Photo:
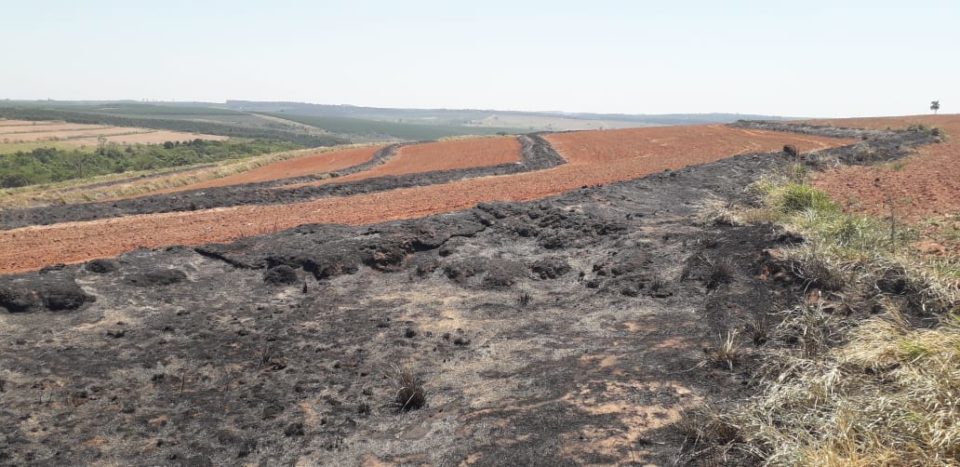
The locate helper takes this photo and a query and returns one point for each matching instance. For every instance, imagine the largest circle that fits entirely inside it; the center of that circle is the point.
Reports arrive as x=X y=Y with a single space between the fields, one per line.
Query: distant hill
x=323 y=125
x=478 y=117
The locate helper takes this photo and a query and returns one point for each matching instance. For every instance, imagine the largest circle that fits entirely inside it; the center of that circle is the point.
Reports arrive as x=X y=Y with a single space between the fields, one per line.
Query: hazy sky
x=798 y=58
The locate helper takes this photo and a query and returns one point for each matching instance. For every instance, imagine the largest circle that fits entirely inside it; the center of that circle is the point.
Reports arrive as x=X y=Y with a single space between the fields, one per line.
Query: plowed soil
x=310 y=164
x=653 y=149
x=594 y=158
x=920 y=186
x=443 y=155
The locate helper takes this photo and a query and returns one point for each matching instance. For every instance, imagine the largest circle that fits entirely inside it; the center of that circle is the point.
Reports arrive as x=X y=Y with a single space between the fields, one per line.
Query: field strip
x=593 y=158
x=6 y=123
x=75 y=134
x=438 y=156
x=16 y=130
x=318 y=163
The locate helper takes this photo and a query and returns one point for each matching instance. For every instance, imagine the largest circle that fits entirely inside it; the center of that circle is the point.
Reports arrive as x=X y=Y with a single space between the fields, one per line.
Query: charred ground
x=570 y=330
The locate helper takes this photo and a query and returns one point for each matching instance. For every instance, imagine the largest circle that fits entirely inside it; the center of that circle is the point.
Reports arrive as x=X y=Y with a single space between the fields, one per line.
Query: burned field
x=574 y=329
x=228 y=213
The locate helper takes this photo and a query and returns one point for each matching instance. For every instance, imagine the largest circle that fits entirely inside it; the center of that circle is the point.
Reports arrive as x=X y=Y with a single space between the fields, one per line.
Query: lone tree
x=935 y=106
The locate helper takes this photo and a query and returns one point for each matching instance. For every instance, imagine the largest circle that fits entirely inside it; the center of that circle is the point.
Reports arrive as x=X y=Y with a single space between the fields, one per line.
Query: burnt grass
x=536 y=154
x=567 y=331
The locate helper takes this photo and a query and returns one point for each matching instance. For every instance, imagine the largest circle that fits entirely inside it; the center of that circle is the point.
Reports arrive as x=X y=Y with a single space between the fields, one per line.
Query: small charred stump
x=410 y=393
x=791 y=151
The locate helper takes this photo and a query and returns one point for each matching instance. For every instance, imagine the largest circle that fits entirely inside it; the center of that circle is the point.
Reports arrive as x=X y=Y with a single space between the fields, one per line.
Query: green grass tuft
x=794 y=198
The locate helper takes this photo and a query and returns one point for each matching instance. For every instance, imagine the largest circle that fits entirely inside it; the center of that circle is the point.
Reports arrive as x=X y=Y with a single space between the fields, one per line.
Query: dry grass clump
x=891 y=396
x=888 y=395
x=721 y=271
x=717 y=213
x=727 y=352
x=410 y=393
x=819 y=270
x=849 y=246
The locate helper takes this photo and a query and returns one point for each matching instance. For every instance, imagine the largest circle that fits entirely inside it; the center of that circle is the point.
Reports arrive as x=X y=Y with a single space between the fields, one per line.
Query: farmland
x=397 y=130
x=181 y=118
x=20 y=135
x=50 y=165
x=439 y=156
x=314 y=125
x=591 y=159
x=923 y=185
x=318 y=163
x=579 y=297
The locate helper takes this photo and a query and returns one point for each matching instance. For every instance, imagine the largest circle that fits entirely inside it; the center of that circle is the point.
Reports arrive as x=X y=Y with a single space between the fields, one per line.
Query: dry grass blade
x=728 y=351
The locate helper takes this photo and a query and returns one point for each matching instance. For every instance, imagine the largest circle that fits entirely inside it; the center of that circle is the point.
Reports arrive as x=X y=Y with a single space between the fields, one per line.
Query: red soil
x=630 y=153
x=594 y=158
x=443 y=155
x=923 y=185
x=310 y=164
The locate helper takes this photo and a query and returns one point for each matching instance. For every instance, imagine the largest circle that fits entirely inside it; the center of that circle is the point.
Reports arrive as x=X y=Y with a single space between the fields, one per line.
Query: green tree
x=101 y=144
x=935 y=106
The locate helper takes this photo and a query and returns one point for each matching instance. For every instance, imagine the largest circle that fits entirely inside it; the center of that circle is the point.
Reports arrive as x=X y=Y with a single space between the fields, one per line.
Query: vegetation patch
x=51 y=164
x=867 y=370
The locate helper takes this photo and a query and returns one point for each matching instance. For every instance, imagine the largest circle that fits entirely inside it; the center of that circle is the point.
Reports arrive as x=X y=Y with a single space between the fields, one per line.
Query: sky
x=810 y=58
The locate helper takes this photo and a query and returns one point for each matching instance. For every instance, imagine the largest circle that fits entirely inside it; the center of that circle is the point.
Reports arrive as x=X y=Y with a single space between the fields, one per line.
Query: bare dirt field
x=593 y=158
x=452 y=154
x=443 y=155
x=920 y=186
x=18 y=131
x=653 y=149
x=308 y=164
